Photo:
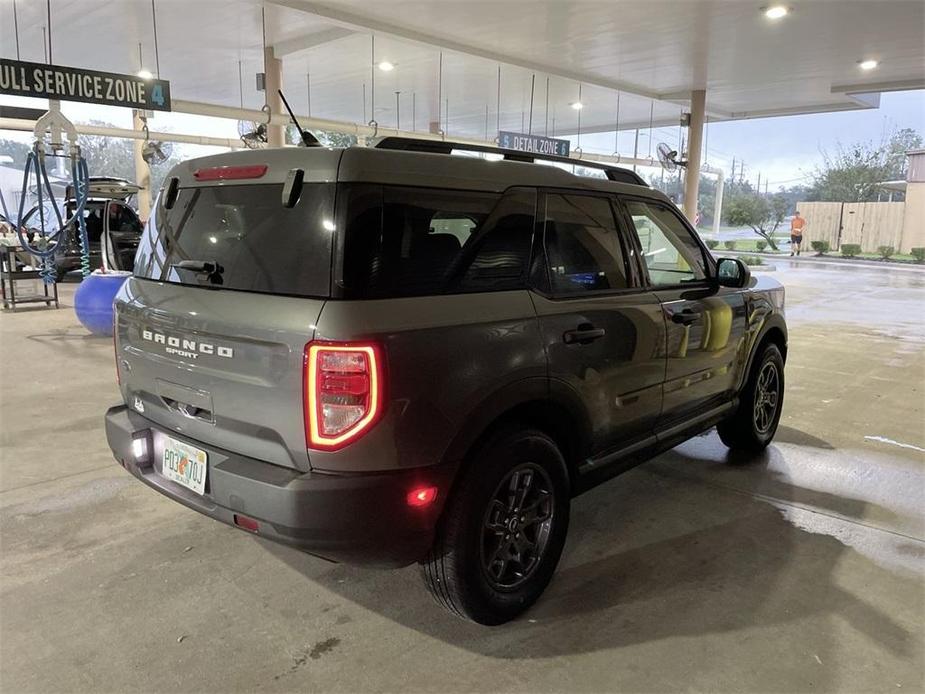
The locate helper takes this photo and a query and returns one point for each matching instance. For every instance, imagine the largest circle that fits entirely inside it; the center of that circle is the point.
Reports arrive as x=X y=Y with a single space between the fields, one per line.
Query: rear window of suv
x=403 y=241
x=244 y=231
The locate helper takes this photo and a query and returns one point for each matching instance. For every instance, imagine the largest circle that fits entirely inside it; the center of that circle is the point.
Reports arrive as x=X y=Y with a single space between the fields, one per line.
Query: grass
x=876 y=256
x=751 y=245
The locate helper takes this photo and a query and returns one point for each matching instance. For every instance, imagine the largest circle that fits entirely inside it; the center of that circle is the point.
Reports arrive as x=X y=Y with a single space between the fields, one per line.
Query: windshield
x=242 y=238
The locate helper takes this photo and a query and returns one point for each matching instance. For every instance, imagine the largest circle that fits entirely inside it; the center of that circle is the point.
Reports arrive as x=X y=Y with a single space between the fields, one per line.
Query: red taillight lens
x=422 y=496
x=343 y=392
x=228 y=173
x=246 y=523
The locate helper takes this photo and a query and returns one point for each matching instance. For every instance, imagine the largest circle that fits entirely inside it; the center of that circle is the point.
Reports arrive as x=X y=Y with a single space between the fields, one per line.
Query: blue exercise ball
x=93 y=300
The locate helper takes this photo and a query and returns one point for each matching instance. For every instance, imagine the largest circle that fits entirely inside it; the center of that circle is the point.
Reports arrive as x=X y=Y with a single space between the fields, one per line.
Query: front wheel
x=503 y=530
x=754 y=423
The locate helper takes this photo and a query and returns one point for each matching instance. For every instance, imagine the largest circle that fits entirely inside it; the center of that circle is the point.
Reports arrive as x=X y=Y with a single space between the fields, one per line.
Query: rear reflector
x=246 y=523
x=422 y=496
x=226 y=173
x=343 y=392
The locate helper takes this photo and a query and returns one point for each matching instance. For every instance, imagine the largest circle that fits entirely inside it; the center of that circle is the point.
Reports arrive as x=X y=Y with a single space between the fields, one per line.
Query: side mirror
x=732 y=272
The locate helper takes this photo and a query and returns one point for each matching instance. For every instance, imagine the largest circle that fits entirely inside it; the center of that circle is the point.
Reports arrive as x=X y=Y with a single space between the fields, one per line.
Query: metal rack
x=9 y=276
x=410 y=144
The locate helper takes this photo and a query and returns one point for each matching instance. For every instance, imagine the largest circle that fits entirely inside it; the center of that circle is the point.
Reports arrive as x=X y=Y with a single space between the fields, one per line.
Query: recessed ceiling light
x=776 y=11
x=386 y=66
x=577 y=105
x=869 y=64
x=145 y=74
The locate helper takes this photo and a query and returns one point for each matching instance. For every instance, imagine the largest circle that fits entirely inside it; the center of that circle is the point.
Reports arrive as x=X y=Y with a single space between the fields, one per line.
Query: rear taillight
x=343 y=392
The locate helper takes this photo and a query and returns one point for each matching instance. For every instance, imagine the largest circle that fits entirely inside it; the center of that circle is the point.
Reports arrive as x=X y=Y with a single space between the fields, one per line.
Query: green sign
x=20 y=78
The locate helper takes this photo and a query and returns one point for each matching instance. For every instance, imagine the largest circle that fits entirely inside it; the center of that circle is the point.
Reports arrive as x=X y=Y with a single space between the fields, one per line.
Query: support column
x=142 y=170
x=694 y=146
x=276 y=134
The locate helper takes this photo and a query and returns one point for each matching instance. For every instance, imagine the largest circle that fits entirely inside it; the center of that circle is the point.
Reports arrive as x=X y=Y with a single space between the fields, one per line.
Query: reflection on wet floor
x=878 y=298
x=872 y=502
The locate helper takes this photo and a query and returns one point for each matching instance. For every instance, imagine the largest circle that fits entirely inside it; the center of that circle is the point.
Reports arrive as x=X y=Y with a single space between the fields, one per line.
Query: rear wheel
x=503 y=530
x=755 y=421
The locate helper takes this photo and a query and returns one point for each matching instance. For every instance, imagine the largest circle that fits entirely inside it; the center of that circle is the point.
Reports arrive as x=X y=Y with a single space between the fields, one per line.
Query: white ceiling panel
x=749 y=66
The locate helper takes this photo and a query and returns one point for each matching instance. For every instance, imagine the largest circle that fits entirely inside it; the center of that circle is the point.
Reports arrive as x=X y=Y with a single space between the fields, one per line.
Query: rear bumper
x=357 y=518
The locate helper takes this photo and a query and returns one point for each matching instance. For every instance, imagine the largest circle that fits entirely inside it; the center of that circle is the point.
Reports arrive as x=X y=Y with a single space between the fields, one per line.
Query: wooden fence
x=870 y=224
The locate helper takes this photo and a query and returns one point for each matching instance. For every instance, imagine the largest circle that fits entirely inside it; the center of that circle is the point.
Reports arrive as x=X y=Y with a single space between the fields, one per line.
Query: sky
x=783 y=150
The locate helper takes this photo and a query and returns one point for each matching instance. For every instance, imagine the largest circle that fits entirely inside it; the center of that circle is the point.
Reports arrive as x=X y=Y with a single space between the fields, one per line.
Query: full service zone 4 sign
x=20 y=78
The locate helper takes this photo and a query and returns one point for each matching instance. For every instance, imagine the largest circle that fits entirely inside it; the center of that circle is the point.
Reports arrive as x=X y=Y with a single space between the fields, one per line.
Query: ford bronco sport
x=390 y=355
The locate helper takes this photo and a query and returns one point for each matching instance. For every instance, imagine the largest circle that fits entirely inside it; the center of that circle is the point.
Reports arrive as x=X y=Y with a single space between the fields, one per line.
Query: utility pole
x=732 y=178
x=636 y=148
x=758 y=187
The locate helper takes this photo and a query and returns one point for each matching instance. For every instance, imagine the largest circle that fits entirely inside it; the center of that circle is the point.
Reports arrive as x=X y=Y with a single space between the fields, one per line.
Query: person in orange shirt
x=797 y=224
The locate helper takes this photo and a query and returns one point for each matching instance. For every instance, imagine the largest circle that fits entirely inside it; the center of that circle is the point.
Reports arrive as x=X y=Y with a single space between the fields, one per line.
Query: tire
x=754 y=423
x=488 y=564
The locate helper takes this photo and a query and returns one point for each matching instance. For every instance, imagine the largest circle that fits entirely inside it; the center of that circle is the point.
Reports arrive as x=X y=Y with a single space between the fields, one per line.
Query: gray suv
x=391 y=355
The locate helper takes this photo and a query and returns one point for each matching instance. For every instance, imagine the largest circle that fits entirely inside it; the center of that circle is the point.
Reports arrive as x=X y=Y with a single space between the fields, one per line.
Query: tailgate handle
x=187 y=410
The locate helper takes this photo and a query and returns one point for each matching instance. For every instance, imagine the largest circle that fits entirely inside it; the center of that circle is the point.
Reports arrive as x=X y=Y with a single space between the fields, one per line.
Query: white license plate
x=184 y=464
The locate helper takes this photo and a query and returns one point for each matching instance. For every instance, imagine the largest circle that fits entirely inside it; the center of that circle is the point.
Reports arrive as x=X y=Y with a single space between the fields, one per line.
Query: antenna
x=308 y=139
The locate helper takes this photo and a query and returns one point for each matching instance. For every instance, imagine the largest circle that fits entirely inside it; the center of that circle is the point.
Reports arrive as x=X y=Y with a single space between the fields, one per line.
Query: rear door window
x=583 y=248
x=254 y=242
x=402 y=241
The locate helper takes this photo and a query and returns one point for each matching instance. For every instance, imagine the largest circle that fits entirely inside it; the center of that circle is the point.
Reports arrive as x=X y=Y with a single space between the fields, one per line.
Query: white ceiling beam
x=880 y=87
x=350 y=20
x=308 y=41
x=851 y=105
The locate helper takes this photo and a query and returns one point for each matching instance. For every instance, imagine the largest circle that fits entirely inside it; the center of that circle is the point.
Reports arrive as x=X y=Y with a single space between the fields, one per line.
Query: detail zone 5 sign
x=20 y=78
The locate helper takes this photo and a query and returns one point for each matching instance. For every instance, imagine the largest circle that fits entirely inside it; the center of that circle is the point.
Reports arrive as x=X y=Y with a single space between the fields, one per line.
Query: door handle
x=686 y=316
x=584 y=334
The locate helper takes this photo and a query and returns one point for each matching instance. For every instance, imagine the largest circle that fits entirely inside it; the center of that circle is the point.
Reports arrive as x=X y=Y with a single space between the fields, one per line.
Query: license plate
x=184 y=464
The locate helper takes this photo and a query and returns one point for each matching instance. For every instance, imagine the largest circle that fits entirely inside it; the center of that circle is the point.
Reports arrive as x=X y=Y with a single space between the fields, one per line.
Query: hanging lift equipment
x=48 y=145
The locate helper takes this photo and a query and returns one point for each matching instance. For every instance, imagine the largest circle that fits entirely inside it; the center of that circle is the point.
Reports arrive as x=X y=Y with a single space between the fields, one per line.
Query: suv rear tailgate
x=221 y=367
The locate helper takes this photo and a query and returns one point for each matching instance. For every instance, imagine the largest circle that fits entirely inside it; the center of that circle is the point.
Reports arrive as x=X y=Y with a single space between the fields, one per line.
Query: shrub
x=849 y=250
x=918 y=254
x=730 y=245
x=712 y=244
x=885 y=251
x=821 y=247
x=752 y=260
x=761 y=245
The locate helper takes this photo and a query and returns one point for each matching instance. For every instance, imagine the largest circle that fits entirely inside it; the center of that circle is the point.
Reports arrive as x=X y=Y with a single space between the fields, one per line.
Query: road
x=801 y=570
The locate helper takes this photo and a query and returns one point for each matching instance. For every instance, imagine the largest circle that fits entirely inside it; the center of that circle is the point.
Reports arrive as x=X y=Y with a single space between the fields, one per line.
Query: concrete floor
x=800 y=571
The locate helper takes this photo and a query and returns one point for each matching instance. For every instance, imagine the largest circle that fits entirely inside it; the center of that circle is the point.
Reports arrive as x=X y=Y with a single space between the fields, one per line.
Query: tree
x=328 y=138
x=333 y=139
x=764 y=215
x=17 y=151
x=671 y=184
x=853 y=173
x=115 y=156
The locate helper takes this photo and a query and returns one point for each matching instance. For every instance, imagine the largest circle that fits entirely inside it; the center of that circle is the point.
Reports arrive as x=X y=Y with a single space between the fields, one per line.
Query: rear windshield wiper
x=212 y=270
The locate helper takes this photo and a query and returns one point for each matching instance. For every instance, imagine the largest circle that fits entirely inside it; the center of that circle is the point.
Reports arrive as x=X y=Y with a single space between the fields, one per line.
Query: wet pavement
x=799 y=570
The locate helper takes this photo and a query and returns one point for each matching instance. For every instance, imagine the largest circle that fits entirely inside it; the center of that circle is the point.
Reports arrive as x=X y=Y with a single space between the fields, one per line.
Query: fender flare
x=774 y=321
x=539 y=391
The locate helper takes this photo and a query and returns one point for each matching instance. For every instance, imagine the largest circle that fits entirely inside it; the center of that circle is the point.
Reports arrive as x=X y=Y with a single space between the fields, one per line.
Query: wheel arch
x=775 y=331
x=552 y=410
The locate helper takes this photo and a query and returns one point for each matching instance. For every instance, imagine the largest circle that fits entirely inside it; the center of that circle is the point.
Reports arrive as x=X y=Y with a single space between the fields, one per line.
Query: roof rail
x=411 y=144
